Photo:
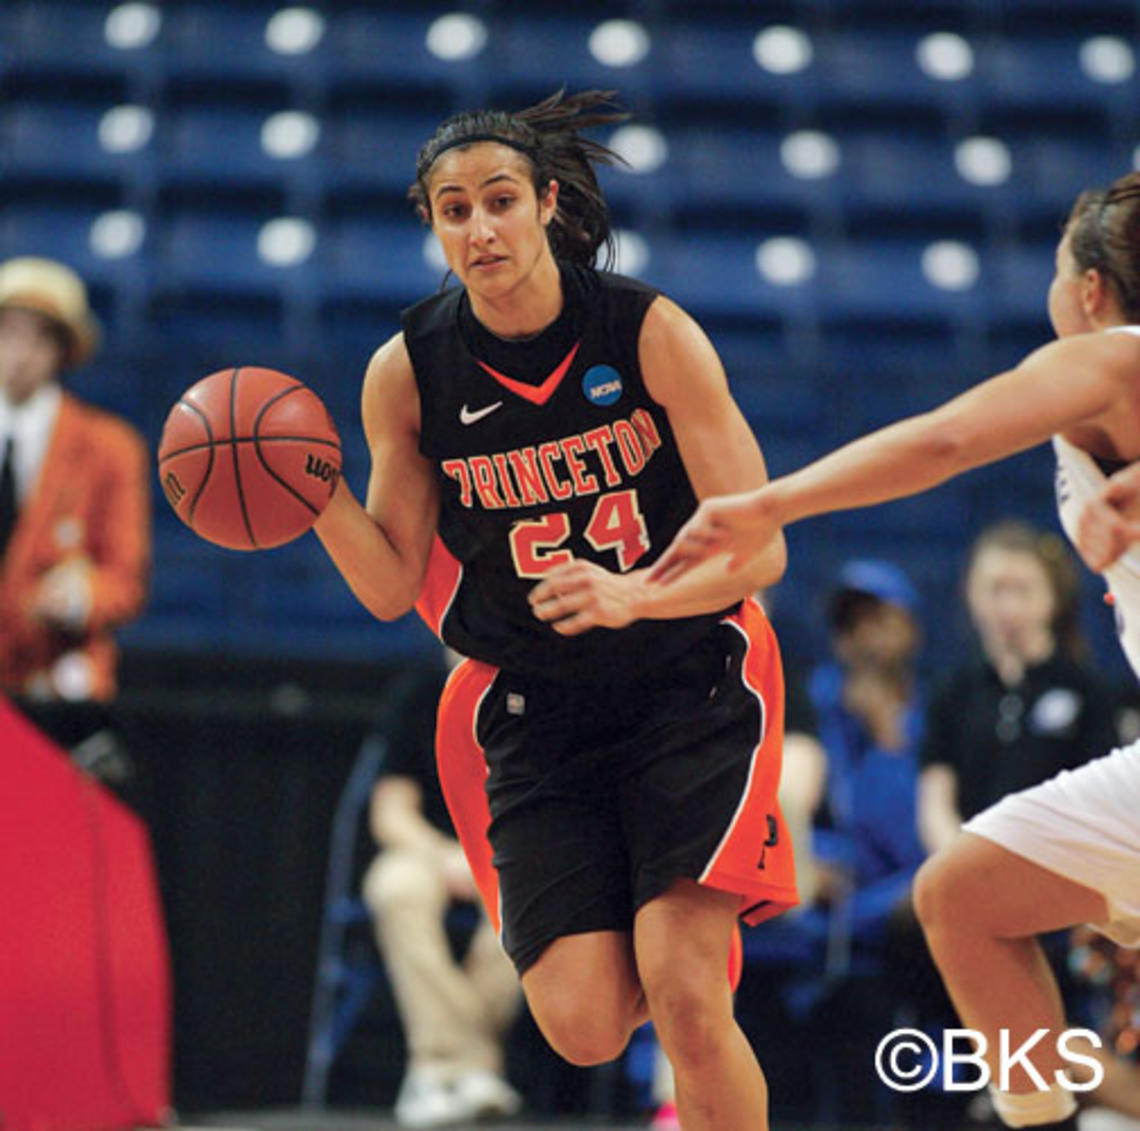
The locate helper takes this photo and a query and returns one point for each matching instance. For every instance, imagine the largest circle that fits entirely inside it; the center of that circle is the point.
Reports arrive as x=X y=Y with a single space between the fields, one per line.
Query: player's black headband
x=471 y=139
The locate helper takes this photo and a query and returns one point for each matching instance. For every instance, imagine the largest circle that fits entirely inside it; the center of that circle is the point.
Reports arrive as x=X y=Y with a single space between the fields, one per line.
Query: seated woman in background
x=1030 y=705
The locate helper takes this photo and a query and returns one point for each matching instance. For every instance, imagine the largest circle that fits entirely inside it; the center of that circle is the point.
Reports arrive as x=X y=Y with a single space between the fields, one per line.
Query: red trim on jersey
x=536 y=394
x=441 y=583
x=463 y=774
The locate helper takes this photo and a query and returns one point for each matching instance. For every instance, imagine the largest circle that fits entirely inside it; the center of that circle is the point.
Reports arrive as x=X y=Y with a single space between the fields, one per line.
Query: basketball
x=249 y=458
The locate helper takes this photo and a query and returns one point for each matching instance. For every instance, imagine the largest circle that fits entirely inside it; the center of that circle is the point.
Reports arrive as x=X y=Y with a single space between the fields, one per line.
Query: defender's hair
x=549 y=136
x=1104 y=235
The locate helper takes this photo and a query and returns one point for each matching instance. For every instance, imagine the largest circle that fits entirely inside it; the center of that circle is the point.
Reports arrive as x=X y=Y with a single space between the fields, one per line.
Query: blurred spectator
x=1029 y=706
x=74 y=508
x=870 y=721
x=858 y=775
x=455 y=1012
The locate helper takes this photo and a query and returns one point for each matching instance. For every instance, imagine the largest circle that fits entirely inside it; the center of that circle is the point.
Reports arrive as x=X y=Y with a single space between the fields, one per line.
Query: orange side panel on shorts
x=440 y=584
x=463 y=773
x=755 y=857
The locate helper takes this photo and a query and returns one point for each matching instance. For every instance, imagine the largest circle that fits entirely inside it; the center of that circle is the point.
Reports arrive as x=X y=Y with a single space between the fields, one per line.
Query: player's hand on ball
x=739 y=525
x=580 y=595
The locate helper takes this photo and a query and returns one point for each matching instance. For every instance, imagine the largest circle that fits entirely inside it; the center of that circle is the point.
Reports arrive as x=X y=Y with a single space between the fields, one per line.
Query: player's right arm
x=382 y=548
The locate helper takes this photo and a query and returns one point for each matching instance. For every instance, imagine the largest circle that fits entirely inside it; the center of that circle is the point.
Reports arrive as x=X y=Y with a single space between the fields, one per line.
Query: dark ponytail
x=1104 y=235
x=549 y=135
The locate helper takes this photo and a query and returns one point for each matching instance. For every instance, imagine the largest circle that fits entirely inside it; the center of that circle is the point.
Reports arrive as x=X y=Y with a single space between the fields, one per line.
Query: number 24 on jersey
x=616 y=524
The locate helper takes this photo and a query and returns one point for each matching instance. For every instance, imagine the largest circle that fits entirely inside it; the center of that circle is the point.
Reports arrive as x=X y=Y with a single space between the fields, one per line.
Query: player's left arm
x=683 y=373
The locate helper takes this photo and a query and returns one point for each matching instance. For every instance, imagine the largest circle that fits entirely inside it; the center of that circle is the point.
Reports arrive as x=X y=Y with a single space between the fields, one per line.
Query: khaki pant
x=454 y=1014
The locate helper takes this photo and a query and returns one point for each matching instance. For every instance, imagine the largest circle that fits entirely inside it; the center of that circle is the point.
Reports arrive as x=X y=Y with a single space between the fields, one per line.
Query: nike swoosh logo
x=469 y=416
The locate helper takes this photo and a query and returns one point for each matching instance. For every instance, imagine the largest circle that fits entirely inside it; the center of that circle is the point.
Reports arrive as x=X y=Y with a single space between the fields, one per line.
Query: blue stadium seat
x=774 y=390
x=1022 y=275
x=376 y=261
x=900 y=175
x=378 y=48
x=715 y=275
x=57 y=40
x=224 y=46
x=883 y=282
x=1088 y=14
x=53 y=142
x=713 y=63
x=62 y=232
x=1043 y=72
x=374 y=149
x=535 y=55
x=729 y=167
x=193 y=158
x=217 y=253
x=861 y=73
x=1053 y=167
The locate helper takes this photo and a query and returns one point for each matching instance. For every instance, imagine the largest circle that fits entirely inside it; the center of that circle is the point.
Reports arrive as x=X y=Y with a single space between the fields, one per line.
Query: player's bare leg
x=682 y=942
x=584 y=995
x=981 y=907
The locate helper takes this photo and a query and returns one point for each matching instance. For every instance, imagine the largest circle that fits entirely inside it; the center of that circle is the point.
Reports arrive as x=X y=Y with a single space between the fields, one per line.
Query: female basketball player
x=538 y=433
x=1067 y=851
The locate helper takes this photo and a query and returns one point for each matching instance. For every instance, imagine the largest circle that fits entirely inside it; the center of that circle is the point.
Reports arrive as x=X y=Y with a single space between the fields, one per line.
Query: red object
x=735 y=959
x=249 y=458
x=84 y=969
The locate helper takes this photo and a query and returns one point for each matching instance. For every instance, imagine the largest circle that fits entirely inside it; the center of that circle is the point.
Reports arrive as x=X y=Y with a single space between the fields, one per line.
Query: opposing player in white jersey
x=1067 y=851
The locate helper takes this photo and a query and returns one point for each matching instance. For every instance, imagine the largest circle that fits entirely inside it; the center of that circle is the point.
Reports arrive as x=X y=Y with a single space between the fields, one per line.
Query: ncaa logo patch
x=602 y=384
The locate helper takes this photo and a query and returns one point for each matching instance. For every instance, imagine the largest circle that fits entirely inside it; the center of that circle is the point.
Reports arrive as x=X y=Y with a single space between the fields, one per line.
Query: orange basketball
x=249 y=458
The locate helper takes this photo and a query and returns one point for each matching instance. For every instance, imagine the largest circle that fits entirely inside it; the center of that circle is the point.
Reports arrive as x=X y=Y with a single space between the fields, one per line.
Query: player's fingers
x=550 y=609
x=737 y=559
x=667 y=566
x=557 y=588
x=1118 y=491
x=576 y=623
x=668 y=570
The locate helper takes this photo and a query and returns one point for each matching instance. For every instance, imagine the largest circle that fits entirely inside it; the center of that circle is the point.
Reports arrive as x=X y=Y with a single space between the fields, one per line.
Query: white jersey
x=1079 y=478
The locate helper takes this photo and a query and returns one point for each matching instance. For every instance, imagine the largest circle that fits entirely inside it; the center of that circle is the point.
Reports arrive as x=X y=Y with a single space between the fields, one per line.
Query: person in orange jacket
x=75 y=537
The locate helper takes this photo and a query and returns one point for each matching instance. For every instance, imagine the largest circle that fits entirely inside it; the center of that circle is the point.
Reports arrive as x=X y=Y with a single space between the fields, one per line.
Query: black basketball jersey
x=546 y=449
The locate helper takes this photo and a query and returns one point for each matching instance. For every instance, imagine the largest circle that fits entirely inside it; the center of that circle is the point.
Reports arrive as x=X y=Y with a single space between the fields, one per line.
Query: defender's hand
x=741 y=525
x=1110 y=521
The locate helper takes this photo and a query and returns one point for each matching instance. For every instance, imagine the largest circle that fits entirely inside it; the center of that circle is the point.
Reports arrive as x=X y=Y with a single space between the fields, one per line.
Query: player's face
x=1010 y=598
x=1066 y=311
x=490 y=223
x=31 y=353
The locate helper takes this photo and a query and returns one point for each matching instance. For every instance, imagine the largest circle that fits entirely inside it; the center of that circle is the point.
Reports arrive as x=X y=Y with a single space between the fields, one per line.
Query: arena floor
x=374 y=1120
x=295 y=1120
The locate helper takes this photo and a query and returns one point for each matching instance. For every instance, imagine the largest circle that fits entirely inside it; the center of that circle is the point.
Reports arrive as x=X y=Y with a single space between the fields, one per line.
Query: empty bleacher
x=859 y=201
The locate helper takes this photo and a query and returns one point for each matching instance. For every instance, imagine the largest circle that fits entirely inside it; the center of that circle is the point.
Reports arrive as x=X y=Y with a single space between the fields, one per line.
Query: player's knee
x=691 y=1013
x=937 y=899
x=580 y=1032
x=396 y=879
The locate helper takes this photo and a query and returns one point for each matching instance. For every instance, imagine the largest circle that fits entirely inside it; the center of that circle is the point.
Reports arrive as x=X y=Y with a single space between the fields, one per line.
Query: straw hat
x=58 y=292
